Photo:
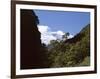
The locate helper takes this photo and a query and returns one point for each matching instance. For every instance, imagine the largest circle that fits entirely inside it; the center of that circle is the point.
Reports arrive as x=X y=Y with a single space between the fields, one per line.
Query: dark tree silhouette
x=30 y=41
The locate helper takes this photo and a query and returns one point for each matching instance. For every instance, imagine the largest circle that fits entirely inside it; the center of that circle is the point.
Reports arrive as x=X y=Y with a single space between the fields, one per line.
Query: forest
x=73 y=52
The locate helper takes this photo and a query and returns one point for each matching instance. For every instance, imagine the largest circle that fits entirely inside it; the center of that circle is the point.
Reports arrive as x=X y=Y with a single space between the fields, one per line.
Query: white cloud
x=47 y=34
x=43 y=29
x=70 y=36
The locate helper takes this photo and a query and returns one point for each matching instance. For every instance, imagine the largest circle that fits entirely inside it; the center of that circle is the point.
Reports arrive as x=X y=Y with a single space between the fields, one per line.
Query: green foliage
x=65 y=36
x=66 y=54
x=85 y=62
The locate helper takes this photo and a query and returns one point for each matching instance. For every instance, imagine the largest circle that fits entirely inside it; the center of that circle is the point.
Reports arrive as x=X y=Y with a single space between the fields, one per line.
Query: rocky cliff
x=30 y=40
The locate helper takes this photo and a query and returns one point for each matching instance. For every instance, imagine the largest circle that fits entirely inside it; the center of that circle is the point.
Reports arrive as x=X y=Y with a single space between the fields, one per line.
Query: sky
x=54 y=24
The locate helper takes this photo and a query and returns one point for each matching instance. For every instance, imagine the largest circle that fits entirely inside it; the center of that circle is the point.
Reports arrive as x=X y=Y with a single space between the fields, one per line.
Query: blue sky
x=71 y=22
x=53 y=24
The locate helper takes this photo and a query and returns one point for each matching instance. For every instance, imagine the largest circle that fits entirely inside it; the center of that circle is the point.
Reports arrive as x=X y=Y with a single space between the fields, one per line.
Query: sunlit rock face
x=30 y=40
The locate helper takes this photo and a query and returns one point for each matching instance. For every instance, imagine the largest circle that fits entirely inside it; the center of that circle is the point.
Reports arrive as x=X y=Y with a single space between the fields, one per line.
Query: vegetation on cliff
x=70 y=52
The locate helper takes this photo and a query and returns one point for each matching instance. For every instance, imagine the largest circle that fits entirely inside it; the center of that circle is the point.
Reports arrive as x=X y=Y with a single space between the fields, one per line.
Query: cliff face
x=30 y=40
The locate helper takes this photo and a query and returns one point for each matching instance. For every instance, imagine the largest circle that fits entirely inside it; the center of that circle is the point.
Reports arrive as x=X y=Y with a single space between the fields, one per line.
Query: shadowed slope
x=30 y=40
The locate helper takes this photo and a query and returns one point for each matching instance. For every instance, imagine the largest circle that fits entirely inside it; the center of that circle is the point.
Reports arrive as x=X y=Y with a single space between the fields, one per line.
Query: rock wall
x=30 y=40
